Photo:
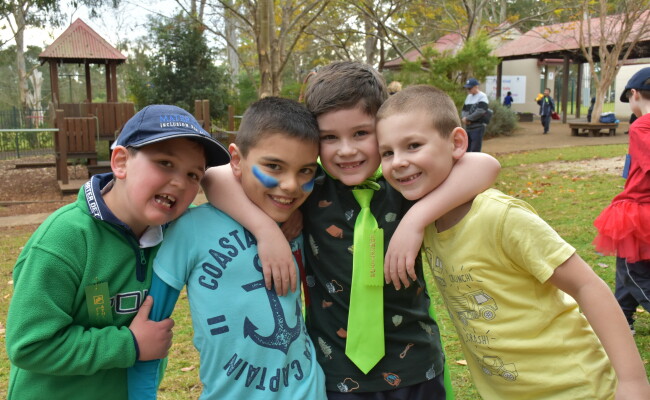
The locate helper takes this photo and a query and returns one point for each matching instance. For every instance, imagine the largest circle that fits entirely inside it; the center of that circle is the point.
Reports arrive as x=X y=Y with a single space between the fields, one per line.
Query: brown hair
x=345 y=84
x=272 y=115
x=425 y=99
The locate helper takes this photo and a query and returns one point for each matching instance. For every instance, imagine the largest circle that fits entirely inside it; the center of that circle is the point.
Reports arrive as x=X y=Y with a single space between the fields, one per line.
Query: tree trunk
x=19 y=16
x=370 y=42
x=231 y=47
x=264 y=47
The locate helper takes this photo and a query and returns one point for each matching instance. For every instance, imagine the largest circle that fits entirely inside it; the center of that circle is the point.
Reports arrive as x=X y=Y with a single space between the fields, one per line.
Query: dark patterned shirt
x=413 y=349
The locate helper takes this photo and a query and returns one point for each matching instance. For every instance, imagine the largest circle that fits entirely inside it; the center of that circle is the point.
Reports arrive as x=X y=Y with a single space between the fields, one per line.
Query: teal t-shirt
x=253 y=344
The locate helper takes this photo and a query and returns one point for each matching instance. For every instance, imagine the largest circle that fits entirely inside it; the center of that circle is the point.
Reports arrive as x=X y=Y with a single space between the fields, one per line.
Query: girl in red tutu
x=624 y=226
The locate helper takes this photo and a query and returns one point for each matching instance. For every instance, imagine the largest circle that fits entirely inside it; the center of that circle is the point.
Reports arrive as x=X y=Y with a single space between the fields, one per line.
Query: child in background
x=623 y=225
x=504 y=274
x=77 y=319
x=507 y=101
x=252 y=343
x=345 y=97
x=546 y=108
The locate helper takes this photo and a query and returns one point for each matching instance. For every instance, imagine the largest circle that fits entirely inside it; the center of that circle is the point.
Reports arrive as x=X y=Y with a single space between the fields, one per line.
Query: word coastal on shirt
x=251 y=341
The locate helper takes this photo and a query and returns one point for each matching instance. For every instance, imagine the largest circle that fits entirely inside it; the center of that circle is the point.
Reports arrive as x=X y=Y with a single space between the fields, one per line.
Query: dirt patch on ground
x=33 y=190
x=612 y=166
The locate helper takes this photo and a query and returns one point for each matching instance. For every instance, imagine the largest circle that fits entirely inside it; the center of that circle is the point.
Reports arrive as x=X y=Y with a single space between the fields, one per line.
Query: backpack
x=607 y=118
x=488 y=116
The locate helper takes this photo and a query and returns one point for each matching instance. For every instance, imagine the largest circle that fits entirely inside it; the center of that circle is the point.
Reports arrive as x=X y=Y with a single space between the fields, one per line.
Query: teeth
x=350 y=165
x=409 y=178
x=282 y=200
x=165 y=200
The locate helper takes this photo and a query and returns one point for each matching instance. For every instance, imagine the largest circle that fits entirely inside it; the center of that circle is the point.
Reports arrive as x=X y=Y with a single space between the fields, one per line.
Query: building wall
x=622 y=110
x=531 y=72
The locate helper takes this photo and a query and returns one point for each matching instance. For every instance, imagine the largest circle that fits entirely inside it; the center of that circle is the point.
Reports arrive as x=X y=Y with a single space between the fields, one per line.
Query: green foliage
x=448 y=71
x=503 y=122
x=180 y=69
x=9 y=75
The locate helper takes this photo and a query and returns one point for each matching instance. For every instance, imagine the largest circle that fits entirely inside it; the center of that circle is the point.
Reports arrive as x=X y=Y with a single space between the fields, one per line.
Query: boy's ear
x=119 y=157
x=459 y=142
x=235 y=159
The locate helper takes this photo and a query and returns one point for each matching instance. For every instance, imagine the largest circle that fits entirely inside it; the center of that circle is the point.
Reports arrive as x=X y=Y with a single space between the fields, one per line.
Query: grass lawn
x=567 y=201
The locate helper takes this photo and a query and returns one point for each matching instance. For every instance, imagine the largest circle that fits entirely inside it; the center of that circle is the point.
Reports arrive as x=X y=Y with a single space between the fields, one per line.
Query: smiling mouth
x=350 y=165
x=285 y=201
x=165 y=200
x=409 y=178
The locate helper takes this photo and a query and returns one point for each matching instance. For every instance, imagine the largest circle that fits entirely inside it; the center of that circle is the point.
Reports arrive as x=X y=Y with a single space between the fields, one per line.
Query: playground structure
x=80 y=126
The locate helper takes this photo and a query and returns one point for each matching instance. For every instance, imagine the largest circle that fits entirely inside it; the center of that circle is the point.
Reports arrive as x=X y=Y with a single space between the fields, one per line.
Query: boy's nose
x=347 y=148
x=399 y=161
x=289 y=184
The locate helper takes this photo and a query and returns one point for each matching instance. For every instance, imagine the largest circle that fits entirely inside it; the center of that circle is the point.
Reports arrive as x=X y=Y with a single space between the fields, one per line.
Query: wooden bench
x=75 y=139
x=593 y=128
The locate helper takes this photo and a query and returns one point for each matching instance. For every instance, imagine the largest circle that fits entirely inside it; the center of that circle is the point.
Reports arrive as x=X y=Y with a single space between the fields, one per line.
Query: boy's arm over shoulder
x=224 y=192
x=471 y=175
x=601 y=309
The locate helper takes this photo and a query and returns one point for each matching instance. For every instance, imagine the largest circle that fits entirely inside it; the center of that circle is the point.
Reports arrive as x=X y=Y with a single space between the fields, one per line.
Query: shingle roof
x=564 y=37
x=450 y=42
x=80 y=42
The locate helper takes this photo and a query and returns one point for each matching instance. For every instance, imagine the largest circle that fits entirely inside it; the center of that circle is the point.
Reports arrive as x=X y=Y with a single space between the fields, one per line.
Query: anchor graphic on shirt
x=283 y=335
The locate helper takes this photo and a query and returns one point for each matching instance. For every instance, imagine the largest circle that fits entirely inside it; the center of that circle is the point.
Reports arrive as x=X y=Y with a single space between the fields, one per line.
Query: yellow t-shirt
x=522 y=337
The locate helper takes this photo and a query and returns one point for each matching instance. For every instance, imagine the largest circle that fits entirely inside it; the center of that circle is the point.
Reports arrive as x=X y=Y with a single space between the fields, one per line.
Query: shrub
x=503 y=122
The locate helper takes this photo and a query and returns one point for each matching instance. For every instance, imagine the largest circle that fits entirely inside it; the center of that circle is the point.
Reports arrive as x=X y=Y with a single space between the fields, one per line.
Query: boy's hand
x=399 y=263
x=154 y=338
x=277 y=264
x=292 y=226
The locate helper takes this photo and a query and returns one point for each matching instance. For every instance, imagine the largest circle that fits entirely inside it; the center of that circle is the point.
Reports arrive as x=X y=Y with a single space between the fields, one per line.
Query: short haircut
x=272 y=115
x=424 y=99
x=549 y=90
x=343 y=85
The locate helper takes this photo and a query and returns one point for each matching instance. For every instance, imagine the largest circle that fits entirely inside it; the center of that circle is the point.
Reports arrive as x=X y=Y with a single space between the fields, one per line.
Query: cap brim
x=623 y=97
x=215 y=153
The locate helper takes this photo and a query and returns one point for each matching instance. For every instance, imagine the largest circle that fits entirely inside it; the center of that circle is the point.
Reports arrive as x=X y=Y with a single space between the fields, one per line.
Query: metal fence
x=17 y=143
x=16 y=118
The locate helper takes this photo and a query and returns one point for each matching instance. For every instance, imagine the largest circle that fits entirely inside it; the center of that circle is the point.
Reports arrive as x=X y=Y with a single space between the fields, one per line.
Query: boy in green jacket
x=79 y=313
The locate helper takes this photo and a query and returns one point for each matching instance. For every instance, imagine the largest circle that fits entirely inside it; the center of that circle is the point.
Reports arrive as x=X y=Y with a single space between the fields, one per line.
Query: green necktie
x=365 y=336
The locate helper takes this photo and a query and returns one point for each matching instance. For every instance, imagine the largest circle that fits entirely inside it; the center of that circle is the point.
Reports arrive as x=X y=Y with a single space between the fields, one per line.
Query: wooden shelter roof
x=80 y=43
x=449 y=42
x=557 y=40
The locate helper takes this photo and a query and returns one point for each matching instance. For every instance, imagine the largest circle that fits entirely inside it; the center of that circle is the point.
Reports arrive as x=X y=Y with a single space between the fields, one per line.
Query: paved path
x=528 y=137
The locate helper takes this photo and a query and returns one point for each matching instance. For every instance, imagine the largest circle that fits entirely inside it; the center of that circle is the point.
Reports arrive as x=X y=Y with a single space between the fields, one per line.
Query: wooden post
x=579 y=91
x=109 y=86
x=499 y=78
x=89 y=90
x=54 y=82
x=113 y=68
x=565 y=87
x=207 y=123
x=61 y=148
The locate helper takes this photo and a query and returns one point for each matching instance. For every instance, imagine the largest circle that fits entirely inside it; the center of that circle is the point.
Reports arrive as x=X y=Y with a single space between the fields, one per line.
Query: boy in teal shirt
x=78 y=315
x=253 y=344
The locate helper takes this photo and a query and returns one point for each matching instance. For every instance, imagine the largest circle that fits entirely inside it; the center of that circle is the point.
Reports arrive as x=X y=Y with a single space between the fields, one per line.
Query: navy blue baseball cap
x=638 y=81
x=471 y=82
x=158 y=122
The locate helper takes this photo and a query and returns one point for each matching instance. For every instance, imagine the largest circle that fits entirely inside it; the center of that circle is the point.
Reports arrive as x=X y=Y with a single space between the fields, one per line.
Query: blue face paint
x=268 y=181
x=309 y=186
